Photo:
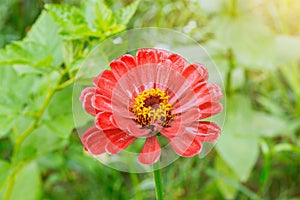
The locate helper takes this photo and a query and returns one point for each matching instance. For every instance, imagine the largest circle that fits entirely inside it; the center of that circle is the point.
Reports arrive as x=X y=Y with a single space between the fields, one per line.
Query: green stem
x=158 y=182
x=231 y=65
x=266 y=166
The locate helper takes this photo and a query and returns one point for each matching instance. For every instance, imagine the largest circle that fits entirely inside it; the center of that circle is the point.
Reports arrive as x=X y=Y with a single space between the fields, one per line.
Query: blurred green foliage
x=255 y=45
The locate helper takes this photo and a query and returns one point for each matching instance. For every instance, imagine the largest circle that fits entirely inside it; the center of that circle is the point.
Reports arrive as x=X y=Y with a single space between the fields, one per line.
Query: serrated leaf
x=125 y=14
x=27 y=185
x=45 y=31
x=15 y=97
x=27 y=53
x=92 y=19
x=71 y=20
x=41 y=48
x=104 y=16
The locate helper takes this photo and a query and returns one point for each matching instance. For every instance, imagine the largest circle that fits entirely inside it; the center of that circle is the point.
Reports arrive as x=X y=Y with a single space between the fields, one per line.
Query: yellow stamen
x=152 y=107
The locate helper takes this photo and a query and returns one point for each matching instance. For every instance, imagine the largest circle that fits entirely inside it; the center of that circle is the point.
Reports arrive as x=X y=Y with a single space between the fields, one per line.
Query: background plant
x=255 y=45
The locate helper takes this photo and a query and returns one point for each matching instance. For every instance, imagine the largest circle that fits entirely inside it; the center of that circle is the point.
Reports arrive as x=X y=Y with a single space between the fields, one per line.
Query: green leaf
x=61 y=103
x=268 y=125
x=252 y=42
x=105 y=20
x=6 y=123
x=71 y=21
x=42 y=48
x=15 y=97
x=27 y=185
x=4 y=170
x=92 y=19
x=40 y=142
x=125 y=14
x=104 y=16
x=61 y=125
x=60 y=119
x=45 y=32
x=239 y=152
x=238 y=145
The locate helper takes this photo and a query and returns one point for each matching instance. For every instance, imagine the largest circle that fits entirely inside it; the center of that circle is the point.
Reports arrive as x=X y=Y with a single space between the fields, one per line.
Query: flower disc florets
x=152 y=107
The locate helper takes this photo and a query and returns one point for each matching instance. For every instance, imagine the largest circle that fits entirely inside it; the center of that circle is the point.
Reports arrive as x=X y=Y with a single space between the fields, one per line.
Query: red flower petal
x=207 y=92
x=161 y=54
x=195 y=73
x=85 y=92
x=94 y=141
x=119 y=140
x=86 y=99
x=101 y=103
x=146 y=56
x=208 y=131
x=150 y=56
x=105 y=83
x=112 y=149
x=172 y=130
x=178 y=62
x=186 y=144
x=129 y=61
x=135 y=130
x=118 y=68
x=210 y=108
x=151 y=151
x=104 y=121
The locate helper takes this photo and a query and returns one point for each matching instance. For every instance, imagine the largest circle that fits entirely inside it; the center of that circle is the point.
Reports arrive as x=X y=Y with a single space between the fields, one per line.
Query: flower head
x=153 y=94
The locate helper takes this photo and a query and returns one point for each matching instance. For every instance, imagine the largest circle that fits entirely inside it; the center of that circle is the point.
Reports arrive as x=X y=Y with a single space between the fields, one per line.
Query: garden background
x=254 y=43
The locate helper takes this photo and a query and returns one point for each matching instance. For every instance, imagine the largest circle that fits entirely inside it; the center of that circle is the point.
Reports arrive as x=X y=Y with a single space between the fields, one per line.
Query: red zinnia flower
x=152 y=94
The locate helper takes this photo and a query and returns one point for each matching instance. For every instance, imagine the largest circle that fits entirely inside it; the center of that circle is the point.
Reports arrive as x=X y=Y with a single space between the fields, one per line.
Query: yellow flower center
x=152 y=107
